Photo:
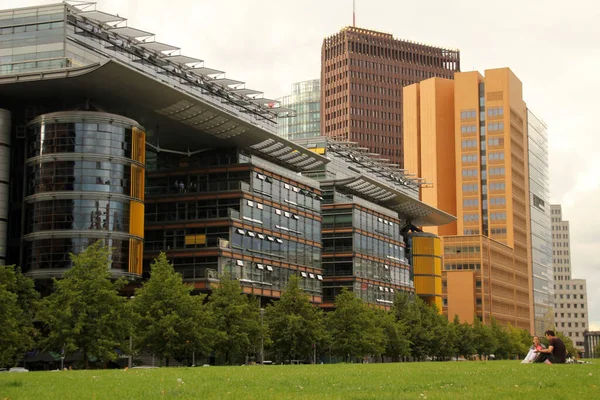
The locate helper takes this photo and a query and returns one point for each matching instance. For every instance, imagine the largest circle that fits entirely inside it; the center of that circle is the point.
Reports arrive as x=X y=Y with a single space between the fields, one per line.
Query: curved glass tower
x=84 y=183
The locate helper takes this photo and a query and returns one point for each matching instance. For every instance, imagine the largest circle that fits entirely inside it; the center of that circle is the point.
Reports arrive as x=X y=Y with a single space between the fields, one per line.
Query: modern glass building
x=117 y=137
x=84 y=182
x=541 y=239
x=305 y=101
x=370 y=243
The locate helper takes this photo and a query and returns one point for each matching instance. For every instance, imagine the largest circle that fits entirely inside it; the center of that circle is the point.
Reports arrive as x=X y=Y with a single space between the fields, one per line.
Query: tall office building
x=477 y=161
x=541 y=239
x=570 y=295
x=362 y=75
x=305 y=102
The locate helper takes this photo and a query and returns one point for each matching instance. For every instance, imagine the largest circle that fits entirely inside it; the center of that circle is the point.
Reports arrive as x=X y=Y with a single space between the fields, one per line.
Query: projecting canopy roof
x=408 y=208
x=175 y=119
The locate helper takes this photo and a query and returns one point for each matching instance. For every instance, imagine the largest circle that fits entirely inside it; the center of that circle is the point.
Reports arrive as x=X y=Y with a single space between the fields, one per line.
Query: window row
x=462 y=266
x=470 y=202
x=568 y=305
x=470 y=158
x=471 y=217
x=496 y=171
x=461 y=250
x=469 y=172
x=497 y=186
x=197 y=182
x=498 y=231
x=468 y=114
x=496 y=156
x=496 y=201
x=498 y=216
x=274 y=218
x=470 y=187
x=495 y=126
x=348 y=242
x=496 y=141
x=269 y=276
x=469 y=144
x=468 y=128
x=261 y=245
x=495 y=111
x=78 y=214
x=286 y=193
x=54 y=253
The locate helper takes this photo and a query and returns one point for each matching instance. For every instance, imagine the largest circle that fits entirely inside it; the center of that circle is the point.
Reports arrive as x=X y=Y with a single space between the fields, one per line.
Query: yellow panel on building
x=136 y=250
x=192 y=240
x=426 y=254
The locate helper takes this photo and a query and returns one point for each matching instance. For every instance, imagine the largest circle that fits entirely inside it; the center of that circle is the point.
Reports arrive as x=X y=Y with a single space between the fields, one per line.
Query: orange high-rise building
x=468 y=137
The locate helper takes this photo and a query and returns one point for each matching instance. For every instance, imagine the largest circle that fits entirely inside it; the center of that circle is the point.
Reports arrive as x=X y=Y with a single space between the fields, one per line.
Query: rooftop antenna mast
x=354 y=13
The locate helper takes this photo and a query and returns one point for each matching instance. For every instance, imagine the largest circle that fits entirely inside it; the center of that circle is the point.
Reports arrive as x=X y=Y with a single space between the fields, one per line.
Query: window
x=496 y=127
x=469 y=144
x=495 y=111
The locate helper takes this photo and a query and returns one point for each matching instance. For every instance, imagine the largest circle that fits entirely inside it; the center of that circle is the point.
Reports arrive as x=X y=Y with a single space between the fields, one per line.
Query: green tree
x=464 y=338
x=169 y=320
x=504 y=343
x=295 y=325
x=445 y=343
x=236 y=319
x=354 y=328
x=520 y=340
x=85 y=311
x=413 y=313
x=396 y=343
x=483 y=338
x=18 y=303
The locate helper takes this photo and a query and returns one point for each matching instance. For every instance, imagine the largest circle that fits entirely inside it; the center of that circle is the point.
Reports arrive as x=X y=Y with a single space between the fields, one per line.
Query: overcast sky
x=551 y=46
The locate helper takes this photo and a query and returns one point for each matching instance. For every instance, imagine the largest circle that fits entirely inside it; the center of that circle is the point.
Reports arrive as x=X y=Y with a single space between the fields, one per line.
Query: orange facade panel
x=461 y=295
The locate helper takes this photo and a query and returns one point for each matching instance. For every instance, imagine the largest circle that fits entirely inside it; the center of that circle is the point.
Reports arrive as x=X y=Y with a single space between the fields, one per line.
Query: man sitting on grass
x=556 y=353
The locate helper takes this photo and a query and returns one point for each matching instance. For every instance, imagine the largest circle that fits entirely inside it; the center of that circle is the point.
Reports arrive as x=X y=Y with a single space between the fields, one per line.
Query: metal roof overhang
x=408 y=208
x=175 y=119
x=158 y=46
x=101 y=16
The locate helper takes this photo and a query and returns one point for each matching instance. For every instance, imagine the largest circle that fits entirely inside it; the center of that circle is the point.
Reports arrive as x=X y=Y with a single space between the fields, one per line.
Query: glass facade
x=541 y=230
x=32 y=39
x=305 y=100
x=85 y=178
x=223 y=212
x=363 y=251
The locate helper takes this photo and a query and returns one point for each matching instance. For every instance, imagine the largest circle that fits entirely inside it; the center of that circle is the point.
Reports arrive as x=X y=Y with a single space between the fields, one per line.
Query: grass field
x=464 y=380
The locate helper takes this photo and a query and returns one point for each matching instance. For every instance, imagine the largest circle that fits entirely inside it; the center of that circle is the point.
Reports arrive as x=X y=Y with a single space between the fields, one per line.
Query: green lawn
x=450 y=380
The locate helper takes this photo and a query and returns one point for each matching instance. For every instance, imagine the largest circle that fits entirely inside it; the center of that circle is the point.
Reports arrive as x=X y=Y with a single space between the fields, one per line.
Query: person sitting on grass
x=533 y=351
x=556 y=353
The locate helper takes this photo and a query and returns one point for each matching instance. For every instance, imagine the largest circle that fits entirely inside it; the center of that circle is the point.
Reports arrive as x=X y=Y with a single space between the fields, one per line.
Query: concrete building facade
x=481 y=176
x=362 y=75
x=570 y=295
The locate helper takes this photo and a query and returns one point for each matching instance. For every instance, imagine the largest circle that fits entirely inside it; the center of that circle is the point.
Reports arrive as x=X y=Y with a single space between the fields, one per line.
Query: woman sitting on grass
x=533 y=351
